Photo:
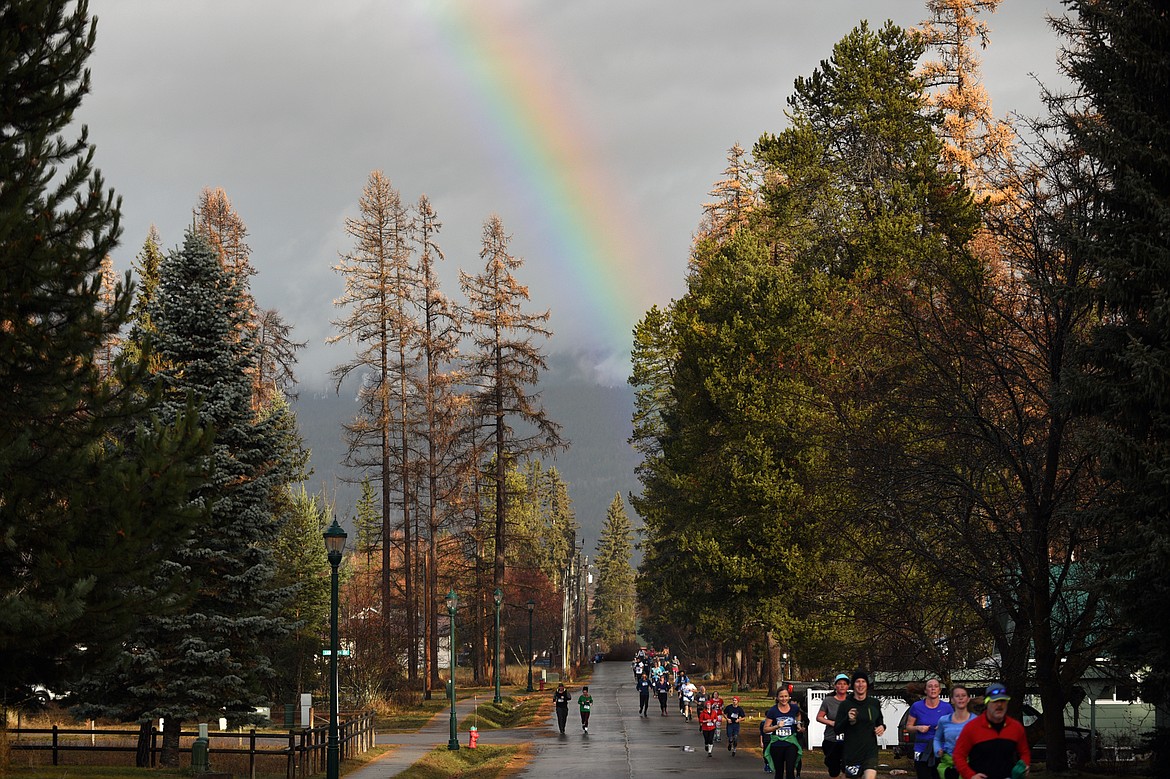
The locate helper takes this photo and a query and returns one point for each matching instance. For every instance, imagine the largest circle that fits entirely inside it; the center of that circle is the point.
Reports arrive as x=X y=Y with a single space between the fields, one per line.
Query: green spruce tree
x=1118 y=57
x=92 y=494
x=204 y=661
x=614 y=619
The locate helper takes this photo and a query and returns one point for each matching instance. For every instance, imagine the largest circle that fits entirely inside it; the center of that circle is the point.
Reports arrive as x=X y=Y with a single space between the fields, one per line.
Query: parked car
x=1077 y=741
x=905 y=745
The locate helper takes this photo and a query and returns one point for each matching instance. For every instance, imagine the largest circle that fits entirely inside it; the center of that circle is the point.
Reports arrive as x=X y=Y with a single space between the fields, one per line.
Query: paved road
x=620 y=744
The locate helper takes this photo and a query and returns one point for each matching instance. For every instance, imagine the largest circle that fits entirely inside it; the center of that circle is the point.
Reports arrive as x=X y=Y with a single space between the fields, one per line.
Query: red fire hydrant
x=474 y=737
x=542 y=684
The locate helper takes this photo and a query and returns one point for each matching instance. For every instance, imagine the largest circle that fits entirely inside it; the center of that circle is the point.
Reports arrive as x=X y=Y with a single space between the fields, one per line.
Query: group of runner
x=988 y=746
x=949 y=744
x=661 y=674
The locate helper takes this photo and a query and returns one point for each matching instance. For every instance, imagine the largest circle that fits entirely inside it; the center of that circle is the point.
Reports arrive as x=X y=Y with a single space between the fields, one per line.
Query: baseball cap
x=996 y=692
x=839 y=677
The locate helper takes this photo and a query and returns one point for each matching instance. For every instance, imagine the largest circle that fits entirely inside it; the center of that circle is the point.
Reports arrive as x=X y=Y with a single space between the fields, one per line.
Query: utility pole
x=567 y=591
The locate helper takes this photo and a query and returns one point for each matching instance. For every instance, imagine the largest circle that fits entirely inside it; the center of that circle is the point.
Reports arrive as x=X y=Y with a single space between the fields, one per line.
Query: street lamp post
x=452 y=602
x=499 y=597
x=531 y=605
x=334 y=546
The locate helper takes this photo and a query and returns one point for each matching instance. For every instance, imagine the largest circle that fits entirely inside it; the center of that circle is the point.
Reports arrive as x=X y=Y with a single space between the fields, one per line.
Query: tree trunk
x=142 y=752
x=170 y=750
x=774 y=672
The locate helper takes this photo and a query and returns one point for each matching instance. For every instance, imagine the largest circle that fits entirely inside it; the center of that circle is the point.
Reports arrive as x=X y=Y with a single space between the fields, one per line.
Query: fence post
x=291 y=766
x=252 y=754
x=54 y=744
x=304 y=756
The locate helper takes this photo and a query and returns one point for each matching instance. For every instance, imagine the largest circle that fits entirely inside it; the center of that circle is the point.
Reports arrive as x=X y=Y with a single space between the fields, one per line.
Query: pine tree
x=274 y=373
x=92 y=494
x=204 y=661
x=141 y=335
x=503 y=363
x=975 y=142
x=735 y=199
x=440 y=425
x=276 y=358
x=380 y=289
x=614 y=619
x=301 y=567
x=217 y=219
x=1118 y=57
x=108 y=296
x=367 y=521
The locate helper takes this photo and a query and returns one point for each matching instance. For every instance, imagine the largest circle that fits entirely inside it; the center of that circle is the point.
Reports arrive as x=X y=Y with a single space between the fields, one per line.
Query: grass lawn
x=486 y=762
x=524 y=709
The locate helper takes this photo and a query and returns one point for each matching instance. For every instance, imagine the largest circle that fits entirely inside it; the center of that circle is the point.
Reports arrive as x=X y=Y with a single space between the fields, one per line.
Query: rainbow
x=541 y=135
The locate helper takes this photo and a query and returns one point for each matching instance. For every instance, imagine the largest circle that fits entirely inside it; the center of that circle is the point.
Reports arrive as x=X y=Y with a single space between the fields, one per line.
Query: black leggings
x=833 y=757
x=784 y=754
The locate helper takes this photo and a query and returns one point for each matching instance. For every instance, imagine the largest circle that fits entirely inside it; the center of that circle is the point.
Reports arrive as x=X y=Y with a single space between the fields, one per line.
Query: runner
x=733 y=713
x=585 y=701
x=662 y=690
x=688 y=698
x=783 y=722
x=859 y=720
x=827 y=716
x=708 y=720
x=993 y=745
x=717 y=700
x=644 y=695
x=561 y=698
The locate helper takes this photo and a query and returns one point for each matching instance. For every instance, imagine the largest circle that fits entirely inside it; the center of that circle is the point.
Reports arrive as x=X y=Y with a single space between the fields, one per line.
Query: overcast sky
x=593 y=128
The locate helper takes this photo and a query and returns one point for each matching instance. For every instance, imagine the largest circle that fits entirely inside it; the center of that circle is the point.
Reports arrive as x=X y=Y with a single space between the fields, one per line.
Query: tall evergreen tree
x=92 y=493
x=1118 y=55
x=301 y=566
x=614 y=597
x=204 y=661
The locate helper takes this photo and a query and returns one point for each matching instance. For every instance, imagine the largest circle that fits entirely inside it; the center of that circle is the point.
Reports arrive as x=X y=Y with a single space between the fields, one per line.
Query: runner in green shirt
x=585 y=701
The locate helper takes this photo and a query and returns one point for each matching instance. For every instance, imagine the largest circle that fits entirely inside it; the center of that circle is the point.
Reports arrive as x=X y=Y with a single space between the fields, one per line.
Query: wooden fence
x=303 y=750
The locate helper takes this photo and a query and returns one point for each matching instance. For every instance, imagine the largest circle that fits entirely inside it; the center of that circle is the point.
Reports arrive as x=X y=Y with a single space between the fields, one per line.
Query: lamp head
x=498 y=595
x=452 y=601
x=335 y=542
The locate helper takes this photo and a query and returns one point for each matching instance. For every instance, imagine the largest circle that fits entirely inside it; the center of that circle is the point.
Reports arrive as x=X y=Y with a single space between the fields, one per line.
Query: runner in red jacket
x=708 y=721
x=993 y=744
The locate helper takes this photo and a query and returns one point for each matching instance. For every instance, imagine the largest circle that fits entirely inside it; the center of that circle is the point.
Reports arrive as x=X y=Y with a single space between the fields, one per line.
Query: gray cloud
x=289 y=106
